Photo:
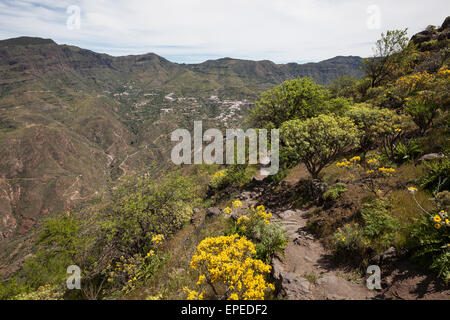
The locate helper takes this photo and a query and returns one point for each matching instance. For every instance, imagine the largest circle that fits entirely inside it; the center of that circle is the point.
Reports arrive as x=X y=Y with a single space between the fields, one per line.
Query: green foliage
x=431 y=246
x=373 y=124
x=422 y=112
x=380 y=228
x=46 y=292
x=148 y=208
x=348 y=239
x=58 y=244
x=436 y=177
x=411 y=151
x=388 y=54
x=237 y=175
x=269 y=237
x=11 y=288
x=318 y=141
x=334 y=192
x=377 y=232
x=300 y=98
x=343 y=86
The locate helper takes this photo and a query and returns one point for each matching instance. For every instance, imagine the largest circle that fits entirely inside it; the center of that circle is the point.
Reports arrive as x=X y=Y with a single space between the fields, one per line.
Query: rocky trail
x=306 y=271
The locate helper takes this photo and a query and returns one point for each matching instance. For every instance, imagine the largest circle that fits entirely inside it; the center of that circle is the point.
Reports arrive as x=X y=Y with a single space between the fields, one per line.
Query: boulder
x=317 y=189
x=213 y=212
x=430 y=156
x=293 y=287
x=445 y=25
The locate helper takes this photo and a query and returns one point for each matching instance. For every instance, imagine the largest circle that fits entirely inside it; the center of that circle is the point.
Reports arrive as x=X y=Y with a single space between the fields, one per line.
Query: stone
x=213 y=212
x=294 y=287
x=430 y=156
x=389 y=255
x=286 y=214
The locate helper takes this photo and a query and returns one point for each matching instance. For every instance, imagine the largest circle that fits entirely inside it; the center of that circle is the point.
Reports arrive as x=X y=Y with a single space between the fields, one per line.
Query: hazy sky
x=198 y=30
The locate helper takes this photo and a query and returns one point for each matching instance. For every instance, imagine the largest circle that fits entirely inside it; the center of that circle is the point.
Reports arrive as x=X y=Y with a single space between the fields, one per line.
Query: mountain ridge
x=72 y=120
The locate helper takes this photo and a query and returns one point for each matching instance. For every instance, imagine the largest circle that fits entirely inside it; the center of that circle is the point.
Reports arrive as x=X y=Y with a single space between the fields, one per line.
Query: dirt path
x=305 y=272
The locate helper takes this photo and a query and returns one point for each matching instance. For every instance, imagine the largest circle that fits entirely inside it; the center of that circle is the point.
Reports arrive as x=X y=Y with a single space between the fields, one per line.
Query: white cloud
x=195 y=30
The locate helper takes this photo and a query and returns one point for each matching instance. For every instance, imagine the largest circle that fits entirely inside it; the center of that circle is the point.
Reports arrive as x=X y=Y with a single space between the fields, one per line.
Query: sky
x=192 y=31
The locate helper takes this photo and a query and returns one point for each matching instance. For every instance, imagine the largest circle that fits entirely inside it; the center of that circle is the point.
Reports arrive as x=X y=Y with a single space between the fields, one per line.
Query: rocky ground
x=306 y=271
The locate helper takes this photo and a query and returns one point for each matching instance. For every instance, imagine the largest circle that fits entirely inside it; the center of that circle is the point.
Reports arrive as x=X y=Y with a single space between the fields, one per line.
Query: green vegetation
x=318 y=141
x=334 y=192
x=382 y=125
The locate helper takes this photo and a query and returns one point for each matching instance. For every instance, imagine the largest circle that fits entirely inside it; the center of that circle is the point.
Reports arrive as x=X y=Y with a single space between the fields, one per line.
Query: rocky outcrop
x=440 y=34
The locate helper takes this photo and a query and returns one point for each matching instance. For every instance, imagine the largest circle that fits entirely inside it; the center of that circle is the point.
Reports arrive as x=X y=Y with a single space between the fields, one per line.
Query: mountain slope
x=72 y=120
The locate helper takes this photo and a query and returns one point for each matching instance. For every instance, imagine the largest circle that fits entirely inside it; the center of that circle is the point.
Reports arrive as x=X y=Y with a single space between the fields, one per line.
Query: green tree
x=373 y=123
x=300 y=98
x=388 y=54
x=318 y=141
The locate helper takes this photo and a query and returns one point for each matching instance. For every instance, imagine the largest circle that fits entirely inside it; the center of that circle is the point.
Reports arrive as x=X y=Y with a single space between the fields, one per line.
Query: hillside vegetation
x=373 y=156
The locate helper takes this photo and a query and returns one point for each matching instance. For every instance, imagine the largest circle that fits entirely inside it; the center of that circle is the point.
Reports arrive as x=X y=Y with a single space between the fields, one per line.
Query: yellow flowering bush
x=256 y=225
x=423 y=94
x=128 y=271
x=373 y=175
x=46 y=292
x=349 y=237
x=218 y=179
x=227 y=265
x=157 y=239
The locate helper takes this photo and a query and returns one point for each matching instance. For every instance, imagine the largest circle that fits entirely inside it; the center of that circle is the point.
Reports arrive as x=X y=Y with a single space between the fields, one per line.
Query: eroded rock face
x=7 y=221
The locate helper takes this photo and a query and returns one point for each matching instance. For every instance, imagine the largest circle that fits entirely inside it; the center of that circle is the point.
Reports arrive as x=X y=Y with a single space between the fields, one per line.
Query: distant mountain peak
x=23 y=41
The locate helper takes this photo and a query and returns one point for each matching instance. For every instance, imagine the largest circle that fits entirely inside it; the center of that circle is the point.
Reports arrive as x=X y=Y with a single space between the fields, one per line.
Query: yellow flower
x=412 y=190
x=233 y=296
x=227 y=210
x=437 y=218
x=437 y=226
x=237 y=204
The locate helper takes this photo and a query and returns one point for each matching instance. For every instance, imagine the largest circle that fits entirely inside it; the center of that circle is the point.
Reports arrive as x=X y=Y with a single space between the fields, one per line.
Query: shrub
x=237 y=175
x=218 y=180
x=422 y=110
x=335 y=191
x=300 y=98
x=380 y=229
x=58 y=243
x=227 y=265
x=128 y=271
x=348 y=239
x=431 y=243
x=374 y=124
x=377 y=232
x=269 y=236
x=148 y=208
x=410 y=151
x=318 y=141
x=373 y=174
x=436 y=177
x=46 y=292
